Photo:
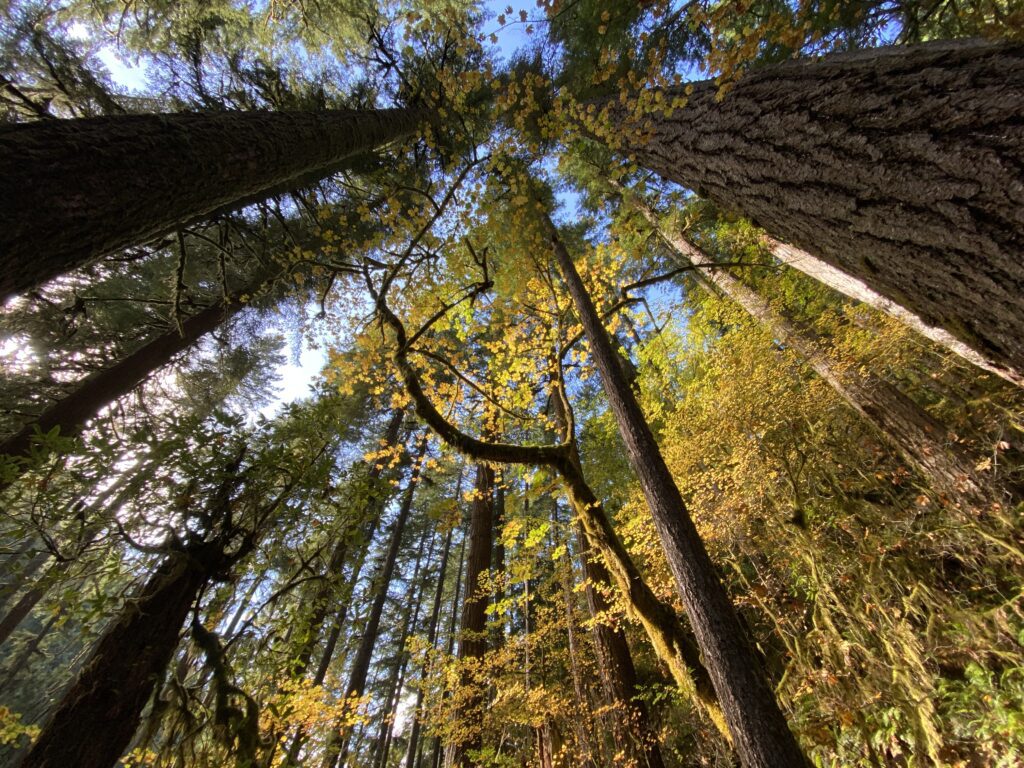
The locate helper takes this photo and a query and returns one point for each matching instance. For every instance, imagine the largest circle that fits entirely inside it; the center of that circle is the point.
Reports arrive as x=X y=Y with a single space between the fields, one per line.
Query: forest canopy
x=437 y=384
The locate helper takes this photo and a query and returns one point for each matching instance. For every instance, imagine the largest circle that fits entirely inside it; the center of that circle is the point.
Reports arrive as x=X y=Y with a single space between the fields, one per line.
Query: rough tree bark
x=901 y=166
x=112 y=689
x=74 y=190
x=760 y=733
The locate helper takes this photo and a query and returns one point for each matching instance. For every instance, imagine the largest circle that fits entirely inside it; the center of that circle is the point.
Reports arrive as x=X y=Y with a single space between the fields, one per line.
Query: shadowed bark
x=72 y=191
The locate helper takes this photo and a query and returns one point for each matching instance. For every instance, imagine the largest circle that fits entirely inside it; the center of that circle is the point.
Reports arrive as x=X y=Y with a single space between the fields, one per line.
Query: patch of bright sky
x=123 y=73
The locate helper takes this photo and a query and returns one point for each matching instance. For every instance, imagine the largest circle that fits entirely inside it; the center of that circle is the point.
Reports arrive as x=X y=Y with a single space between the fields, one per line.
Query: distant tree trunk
x=581 y=725
x=453 y=618
x=22 y=660
x=97 y=717
x=435 y=613
x=902 y=166
x=321 y=601
x=382 y=748
x=75 y=190
x=760 y=733
x=473 y=638
x=916 y=435
x=633 y=733
x=337 y=748
x=124 y=488
x=856 y=289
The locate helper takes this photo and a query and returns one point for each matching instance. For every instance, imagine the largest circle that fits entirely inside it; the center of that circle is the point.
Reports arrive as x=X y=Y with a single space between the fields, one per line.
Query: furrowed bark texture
x=74 y=190
x=760 y=733
x=902 y=166
x=96 y=719
x=921 y=439
x=849 y=286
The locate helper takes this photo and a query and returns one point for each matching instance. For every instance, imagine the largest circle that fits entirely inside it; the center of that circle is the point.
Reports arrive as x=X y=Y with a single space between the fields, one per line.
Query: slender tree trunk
x=453 y=616
x=916 y=435
x=903 y=167
x=856 y=289
x=21 y=661
x=321 y=600
x=97 y=717
x=435 y=613
x=75 y=190
x=473 y=638
x=337 y=749
x=409 y=623
x=71 y=413
x=672 y=643
x=31 y=598
x=759 y=729
x=583 y=700
x=632 y=729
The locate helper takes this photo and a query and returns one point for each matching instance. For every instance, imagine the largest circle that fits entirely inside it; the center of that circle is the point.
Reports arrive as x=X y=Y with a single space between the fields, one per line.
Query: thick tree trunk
x=856 y=289
x=95 y=720
x=915 y=434
x=473 y=638
x=337 y=748
x=901 y=166
x=74 y=190
x=759 y=730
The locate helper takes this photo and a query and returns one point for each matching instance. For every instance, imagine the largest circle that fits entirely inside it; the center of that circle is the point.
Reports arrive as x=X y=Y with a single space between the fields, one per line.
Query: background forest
x=584 y=456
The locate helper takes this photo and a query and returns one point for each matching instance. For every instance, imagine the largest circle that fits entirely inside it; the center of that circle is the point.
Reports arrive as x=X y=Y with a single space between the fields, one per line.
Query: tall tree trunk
x=760 y=733
x=856 y=289
x=321 y=600
x=920 y=438
x=409 y=623
x=97 y=717
x=435 y=613
x=473 y=638
x=900 y=166
x=582 y=725
x=75 y=190
x=437 y=748
x=337 y=748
